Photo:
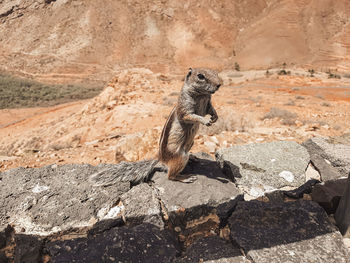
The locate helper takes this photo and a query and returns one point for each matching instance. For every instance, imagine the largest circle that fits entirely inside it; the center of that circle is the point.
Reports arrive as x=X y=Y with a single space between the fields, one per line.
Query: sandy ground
x=124 y=122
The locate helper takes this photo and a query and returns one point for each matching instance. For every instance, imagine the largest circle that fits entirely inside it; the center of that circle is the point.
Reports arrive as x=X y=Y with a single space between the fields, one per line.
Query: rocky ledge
x=270 y=202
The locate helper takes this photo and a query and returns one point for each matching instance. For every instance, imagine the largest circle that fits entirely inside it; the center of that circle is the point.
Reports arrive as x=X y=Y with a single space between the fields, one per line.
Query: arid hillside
x=124 y=122
x=66 y=40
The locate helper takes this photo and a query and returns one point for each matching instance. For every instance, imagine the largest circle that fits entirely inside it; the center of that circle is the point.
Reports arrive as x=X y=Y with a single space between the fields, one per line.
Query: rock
x=290 y=232
x=311 y=173
x=5 y=241
x=260 y=168
x=328 y=194
x=326 y=170
x=52 y=199
x=347 y=242
x=214 y=250
x=336 y=150
x=2 y=236
x=28 y=248
x=142 y=243
x=211 y=146
x=342 y=216
x=204 y=204
x=142 y=205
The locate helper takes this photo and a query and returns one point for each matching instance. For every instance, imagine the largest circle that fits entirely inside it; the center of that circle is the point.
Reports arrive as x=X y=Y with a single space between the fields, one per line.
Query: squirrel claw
x=189 y=179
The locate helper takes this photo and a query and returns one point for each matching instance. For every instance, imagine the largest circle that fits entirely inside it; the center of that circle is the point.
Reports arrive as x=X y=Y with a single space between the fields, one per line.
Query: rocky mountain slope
x=66 y=40
x=125 y=121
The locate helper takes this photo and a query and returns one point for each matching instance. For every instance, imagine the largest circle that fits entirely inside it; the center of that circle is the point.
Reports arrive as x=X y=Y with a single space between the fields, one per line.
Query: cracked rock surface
x=260 y=168
x=82 y=213
x=292 y=232
x=53 y=199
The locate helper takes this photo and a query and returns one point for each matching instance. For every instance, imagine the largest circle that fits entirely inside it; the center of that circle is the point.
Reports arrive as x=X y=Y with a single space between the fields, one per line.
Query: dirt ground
x=124 y=122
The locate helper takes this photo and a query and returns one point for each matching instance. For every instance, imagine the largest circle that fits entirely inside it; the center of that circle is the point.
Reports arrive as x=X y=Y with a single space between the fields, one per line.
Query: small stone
x=214 y=139
x=311 y=173
x=288 y=176
x=211 y=146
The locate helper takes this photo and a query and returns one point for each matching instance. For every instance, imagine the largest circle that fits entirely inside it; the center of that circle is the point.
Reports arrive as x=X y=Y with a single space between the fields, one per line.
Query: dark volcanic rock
x=335 y=150
x=342 y=216
x=55 y=198
x=260 y=168
x=328 y=194
x=142 y=205
x=28 y=248
x=291 y=232
x=143 y=243
x=2 y=236
x=214 y=250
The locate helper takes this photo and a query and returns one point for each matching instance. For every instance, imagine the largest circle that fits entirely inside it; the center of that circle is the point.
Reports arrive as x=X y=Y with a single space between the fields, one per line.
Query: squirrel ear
x=189 y=73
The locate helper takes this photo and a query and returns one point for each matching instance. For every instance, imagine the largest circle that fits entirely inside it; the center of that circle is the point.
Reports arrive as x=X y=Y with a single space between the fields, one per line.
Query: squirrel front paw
x=214 y=118
x=207 y=121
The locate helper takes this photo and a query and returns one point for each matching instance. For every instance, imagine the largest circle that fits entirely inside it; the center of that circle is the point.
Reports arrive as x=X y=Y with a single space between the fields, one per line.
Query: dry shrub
x=229 y=122
x=290 y=103
x=167 y=101
x=325 y=104
x=287 y=117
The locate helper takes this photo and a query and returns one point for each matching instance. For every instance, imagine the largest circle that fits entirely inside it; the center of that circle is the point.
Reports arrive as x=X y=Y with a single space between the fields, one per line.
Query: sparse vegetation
x=287 y=117
x=332 y=75
x=174 y=94
x=312 y=72
x=229 y=123
x=325 y=104
x=18 y=93
x=300 y=97
x=237 y=67
x=290 y=103
x=319 y=96
x=283 y=72
x=169 y=101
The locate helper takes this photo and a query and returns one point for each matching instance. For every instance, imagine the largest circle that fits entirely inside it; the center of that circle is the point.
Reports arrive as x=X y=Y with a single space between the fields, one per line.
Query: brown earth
x=72 y=41
x=127 y=117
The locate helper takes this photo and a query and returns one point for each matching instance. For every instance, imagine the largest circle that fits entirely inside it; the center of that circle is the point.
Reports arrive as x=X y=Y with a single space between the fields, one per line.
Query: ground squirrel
x=193 y=107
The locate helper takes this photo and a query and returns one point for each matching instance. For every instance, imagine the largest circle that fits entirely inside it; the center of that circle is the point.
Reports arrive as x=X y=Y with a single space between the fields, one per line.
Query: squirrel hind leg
x=175 y=167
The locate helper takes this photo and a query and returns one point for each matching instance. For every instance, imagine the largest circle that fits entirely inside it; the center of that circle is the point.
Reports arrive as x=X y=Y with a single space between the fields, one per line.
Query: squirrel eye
x=200 y=76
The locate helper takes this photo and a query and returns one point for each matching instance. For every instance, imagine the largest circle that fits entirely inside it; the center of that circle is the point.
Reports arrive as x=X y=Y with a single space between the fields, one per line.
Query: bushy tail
x=133 y=172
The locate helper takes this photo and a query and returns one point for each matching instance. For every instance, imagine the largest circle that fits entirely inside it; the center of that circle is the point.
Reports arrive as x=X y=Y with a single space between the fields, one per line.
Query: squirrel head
x=203 y=81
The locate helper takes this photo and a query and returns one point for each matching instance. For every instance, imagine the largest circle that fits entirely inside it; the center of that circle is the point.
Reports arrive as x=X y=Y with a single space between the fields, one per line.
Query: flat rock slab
x=213 y=250
x=335 y=150
x=260 y=168
x=46 y=200
x=291 y=232
x=142 y=243
x=211 y=190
